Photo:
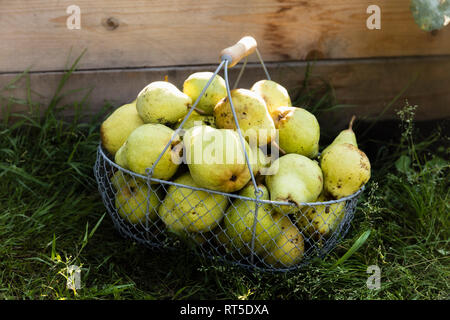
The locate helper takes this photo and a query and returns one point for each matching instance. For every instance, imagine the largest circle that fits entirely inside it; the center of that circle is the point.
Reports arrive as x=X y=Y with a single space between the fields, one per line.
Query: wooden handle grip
x=241 y=49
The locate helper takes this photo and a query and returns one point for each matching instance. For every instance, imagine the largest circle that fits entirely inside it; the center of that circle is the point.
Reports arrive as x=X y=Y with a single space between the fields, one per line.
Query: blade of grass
x=358 y=243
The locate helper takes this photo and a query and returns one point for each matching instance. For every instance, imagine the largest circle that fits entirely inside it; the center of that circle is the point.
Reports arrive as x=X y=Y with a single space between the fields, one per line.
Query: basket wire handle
x=149 y=171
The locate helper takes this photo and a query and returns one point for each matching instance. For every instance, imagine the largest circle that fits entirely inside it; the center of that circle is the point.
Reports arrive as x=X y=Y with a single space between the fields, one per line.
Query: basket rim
x=232 y=195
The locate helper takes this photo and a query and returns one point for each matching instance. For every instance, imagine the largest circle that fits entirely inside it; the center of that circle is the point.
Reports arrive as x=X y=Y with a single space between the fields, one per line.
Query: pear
x=345 y=136
x=239 y=222
x=216 y=91
x=260 y=161
x=191 y=210
x=274 y=94
x=319 y=221
x=345 y=170
x=289 y=245
x=216 y=159
x=145 y=144
x=118 y=126
x=298 y=131
x=120 y=157
x=162 y=102
x=253 y=117
x=196 y=119
x=294 y=178
x=119 y=180
x=136 y=203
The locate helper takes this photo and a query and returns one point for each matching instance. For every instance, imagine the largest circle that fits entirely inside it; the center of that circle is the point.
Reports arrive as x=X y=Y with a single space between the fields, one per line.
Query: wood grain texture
x=132 y=33
x=366 y=84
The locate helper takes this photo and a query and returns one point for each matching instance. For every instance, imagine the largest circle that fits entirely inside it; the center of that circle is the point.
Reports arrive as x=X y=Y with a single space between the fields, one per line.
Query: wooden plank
x=367 y=84
x=137 y=33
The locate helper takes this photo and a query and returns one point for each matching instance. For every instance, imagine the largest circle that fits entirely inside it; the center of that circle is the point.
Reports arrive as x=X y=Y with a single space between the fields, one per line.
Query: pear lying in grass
x=345 y=170
x=296 y=179
x=253 y=117
x=190 y=210
x=196 y=119
x=274 y=94
x=239 y=222
x=345 y=136
x=118 y=126
x=145 y=144
x=216 y=91
x=161 y=102
x=216 y=159
x=320 y=221
x=136 y=203
x=298 y=129
x=289 y=245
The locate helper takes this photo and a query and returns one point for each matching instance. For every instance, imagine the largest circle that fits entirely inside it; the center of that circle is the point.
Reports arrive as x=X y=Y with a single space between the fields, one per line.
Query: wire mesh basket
x=250 y=231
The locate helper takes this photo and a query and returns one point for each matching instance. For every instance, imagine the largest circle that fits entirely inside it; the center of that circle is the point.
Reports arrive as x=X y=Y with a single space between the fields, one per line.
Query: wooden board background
x=367 y=68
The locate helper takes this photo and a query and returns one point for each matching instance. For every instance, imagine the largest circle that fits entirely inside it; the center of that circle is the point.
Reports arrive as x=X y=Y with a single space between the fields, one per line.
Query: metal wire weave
x=139 y=219
x=245 y=231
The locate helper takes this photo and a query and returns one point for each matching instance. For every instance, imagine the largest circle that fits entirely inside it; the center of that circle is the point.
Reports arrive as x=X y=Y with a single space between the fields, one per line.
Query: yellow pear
x=118 y=126
x=274 y=94
x=294 y=178
x=319 y=221
x=289 y=245
x=120 y=158
x=216 y=91
x=253 y=117
x=345 y=136
x=196 y=119
x=260 y=161
x=216 y=159
x=136 y=203
x=190 y=210
x=298 y=131
x=145 y=144
x=239 y=223
x=345 y=170
x=162 y=102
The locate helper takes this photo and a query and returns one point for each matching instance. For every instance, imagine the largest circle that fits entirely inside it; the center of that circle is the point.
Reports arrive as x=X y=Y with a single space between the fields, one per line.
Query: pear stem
x=350 y=126
x=278 y=147
x=200 y=112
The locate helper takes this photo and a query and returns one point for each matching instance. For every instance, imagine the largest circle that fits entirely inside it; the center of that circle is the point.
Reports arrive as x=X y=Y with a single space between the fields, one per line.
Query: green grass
x=52 y=216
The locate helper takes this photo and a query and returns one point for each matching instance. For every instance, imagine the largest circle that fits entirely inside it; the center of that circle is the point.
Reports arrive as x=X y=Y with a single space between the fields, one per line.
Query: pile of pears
x=213 y=201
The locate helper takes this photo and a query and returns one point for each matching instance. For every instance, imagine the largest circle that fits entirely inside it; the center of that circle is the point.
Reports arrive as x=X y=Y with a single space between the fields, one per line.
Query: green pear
x=190 y=210
x=145 y=144
x=345 y=170
x=196 y=119
x=161 y=102
x=298 y=131
x=289 y=245
x=119 y=180
x=216 y=159
x=294 y=178
x=136 y=203
x=216 y=91
x=253 y=117
x=260 y=161
x=118 y=126
x=319 y=221
x=120 y=158
x=274 y=94
x=239 y=223
x=345 y=136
